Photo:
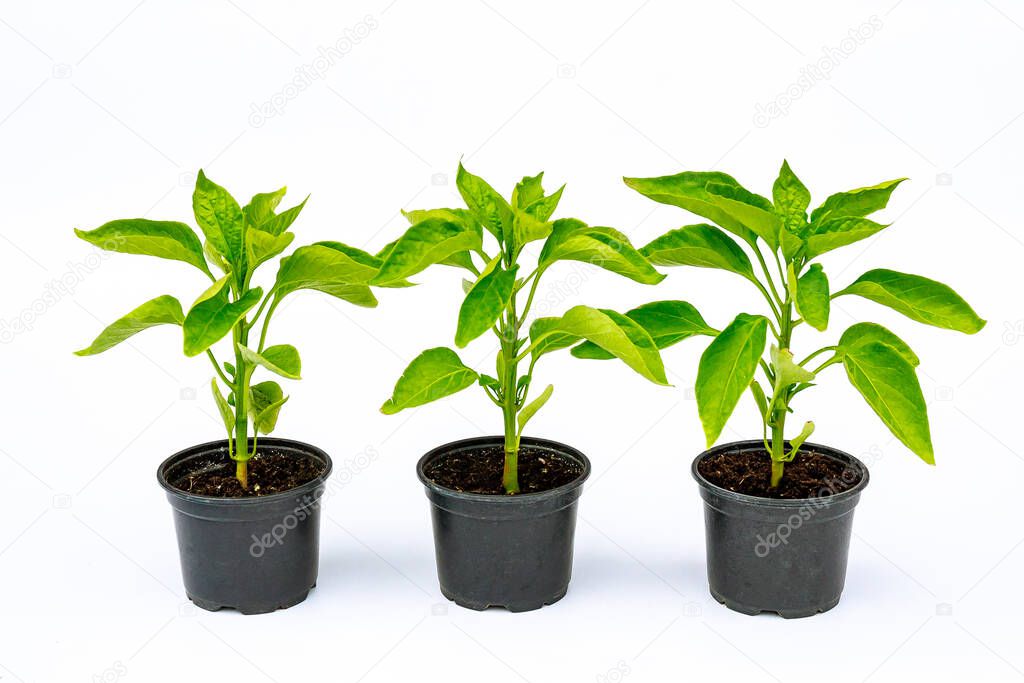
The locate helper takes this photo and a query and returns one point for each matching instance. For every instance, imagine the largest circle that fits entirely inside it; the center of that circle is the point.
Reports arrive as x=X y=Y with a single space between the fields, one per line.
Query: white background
x=107 y=111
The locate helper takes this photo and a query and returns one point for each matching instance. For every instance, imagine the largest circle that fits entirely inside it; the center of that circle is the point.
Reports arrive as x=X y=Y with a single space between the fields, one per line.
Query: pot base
x=526 y=606
x=251 y=608
x=751 y=611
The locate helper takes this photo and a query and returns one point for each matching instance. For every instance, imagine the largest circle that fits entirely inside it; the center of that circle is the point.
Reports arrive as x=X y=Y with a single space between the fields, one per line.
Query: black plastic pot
x=782 y=556
x=255 y=555
x=504 y=551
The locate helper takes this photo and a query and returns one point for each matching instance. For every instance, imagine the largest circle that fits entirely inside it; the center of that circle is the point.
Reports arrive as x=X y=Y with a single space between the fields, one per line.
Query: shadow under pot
x=499 y=550
x=786 y=556
x=255 y=554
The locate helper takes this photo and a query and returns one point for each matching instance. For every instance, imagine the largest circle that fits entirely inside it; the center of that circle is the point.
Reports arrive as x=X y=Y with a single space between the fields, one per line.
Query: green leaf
x=281 y=359
x=528 y=198
x=726 y=370
x=668 y=322
x=489 y=382
x=366 y=259
x=573 y=240
x=262 y=246
x=791 y=245
x=546 y=336
x=918 y=298
x=787 y=372
x=865 y=333
x=424 y=244
x=484 y=201
x=219 y=217
x=226 y=414
x=327 y=268
x=543 y=208
x=212 y=315
x=839 y=232
x=163 y=239
x=163 y=310
x=528 y=190
x=464 y=216
x=889 y=385
x=485 y=301
x=859 y=202
x=361 y=257
x=528 y=228
x=752 y=210
x=265 y=401
x=760 y=399
x=687 y=191
x=261 y=207
x=433 y=374
x=460 y=259
x=812 y=297
x=703 y=246
x=796 y=443
x=533 y=406
x=791 y=198
x=277 y=224
x=216 y=257
x=611 y=331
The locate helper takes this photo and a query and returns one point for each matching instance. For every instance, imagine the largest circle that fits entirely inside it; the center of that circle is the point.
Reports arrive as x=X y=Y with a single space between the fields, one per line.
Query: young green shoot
x=775 y=246
x=233 y=310
x=501 y=293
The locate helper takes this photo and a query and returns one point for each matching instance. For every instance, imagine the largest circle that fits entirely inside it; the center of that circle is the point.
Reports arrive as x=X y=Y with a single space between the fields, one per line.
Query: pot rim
x=820 y=449
x=504 y=499
x=199 y=449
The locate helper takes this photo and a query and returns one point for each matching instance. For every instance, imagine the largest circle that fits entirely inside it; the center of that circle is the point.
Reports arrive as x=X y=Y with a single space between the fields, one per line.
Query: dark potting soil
x=480 y=471
x=809 y=475
x=269 y=472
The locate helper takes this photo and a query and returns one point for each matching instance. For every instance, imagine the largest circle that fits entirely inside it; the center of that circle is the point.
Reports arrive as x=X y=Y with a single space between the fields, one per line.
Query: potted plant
x=504 y=507
x=778 y=509
x=246 y=508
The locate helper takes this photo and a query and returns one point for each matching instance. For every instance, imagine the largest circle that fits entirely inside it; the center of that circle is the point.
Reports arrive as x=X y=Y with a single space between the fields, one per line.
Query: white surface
x=108 y=110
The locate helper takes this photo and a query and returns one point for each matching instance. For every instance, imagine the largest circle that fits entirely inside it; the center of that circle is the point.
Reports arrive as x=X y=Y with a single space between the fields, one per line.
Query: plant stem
x=216 y=366
x=780 y=405
x=778 y=263
x=768 y=276
x=529 y=298
x=241 y=389
x=266 y=323
x=778 y=447
x=767 y=297
x=817 y=353
x=509 y=408
x=831 y=361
